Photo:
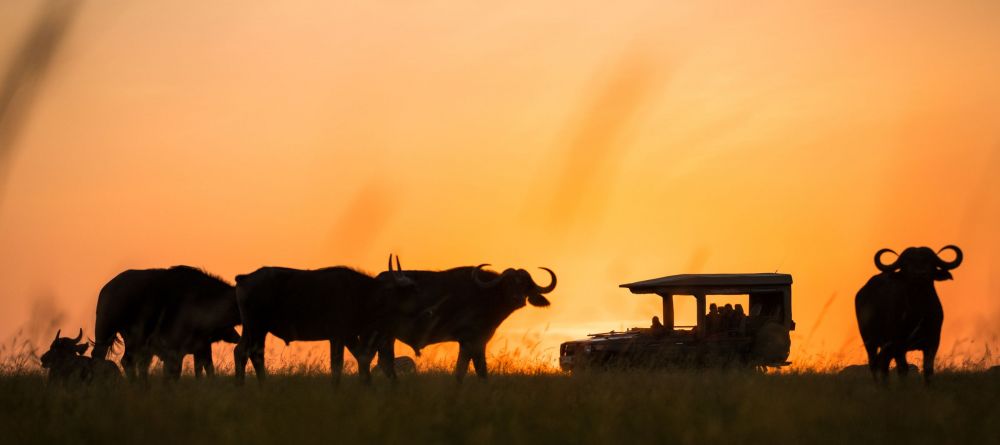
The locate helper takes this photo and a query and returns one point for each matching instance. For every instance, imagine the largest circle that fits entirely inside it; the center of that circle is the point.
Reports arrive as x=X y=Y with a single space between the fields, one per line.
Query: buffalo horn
x=954 y=263
x=484 y=284
x=885 y=267
x=551 y=286
x=78 y=337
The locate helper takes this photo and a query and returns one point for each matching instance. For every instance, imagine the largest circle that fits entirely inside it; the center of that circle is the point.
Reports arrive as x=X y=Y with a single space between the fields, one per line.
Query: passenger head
x=713 y=308
x=739 y=310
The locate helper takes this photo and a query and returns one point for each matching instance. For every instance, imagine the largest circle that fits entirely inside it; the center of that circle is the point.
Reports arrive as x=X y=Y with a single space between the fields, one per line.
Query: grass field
x=626 y=406
x=528 y=400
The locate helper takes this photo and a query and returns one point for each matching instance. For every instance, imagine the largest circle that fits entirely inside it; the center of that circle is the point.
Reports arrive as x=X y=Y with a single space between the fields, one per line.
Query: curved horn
x=390 y=262
x=885 y=267
x=551 y=286
x=954 y=263
x=78 y=337
x=398 y=268
x=57 y=334
x=484 y=284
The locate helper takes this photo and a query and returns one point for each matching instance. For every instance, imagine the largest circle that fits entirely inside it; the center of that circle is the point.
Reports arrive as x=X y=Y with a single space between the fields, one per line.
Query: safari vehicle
x=725 y=337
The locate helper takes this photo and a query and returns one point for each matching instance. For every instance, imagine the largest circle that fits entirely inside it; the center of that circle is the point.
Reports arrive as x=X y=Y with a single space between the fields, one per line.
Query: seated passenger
x=741 y=320
x=656 y=323
x=712 y=322
x=727 y=317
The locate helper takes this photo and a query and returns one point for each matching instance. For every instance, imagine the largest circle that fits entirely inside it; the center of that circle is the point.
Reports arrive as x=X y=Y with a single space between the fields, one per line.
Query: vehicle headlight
x=588 y=349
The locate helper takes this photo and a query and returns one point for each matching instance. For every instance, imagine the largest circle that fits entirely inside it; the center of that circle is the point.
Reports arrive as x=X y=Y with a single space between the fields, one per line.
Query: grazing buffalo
x=467 y=305
x=898 y=310
x=66 y=362
x=335 y=304
x=168 y=313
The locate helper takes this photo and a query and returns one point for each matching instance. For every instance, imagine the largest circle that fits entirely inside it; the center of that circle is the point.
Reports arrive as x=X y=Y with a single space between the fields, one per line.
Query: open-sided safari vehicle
x=725 y=336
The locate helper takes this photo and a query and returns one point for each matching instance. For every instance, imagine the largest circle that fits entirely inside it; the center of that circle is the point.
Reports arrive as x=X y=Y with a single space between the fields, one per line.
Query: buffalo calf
x=66 y=363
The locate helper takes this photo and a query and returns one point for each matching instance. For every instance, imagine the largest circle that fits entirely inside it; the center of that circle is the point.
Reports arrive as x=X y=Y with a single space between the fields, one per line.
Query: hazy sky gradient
x=609 y=142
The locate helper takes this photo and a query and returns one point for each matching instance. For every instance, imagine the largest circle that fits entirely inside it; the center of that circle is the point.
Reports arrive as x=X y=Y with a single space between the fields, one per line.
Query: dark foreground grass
x=642 y=407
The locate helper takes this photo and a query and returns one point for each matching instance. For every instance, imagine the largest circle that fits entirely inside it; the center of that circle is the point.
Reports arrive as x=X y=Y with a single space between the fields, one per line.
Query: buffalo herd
x=169 y=313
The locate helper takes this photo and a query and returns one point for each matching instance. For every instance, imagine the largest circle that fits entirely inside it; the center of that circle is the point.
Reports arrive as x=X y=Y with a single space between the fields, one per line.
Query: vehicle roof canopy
x=716 y=283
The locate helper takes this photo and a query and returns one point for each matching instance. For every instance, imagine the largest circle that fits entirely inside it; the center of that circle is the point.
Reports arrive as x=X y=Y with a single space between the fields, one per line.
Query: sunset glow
x=609 y=142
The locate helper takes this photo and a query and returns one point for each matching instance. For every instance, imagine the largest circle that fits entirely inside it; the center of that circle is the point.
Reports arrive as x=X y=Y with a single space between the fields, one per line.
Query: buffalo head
x=63 y=348
x=920 y=263
x=395 y=286
x=518 y=284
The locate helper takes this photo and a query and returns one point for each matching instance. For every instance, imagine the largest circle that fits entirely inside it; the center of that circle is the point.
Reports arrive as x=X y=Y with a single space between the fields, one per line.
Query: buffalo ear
x=942 y=275
x=80 y=349
x=538 y=300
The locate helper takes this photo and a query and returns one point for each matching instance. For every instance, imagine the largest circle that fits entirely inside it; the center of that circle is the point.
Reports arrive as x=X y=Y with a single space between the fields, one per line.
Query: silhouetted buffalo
x=337 y=304
x=66 y=362
x=467 y=305
x=168 y=313
x=898 y=310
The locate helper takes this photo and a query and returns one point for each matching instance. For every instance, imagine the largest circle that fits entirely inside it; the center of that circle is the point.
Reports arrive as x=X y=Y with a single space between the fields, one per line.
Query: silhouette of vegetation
x=609 y=407
x=22 y=80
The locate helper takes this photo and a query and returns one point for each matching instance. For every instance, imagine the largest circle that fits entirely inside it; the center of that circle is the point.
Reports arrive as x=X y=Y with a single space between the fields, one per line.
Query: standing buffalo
x=467 y=305
x=898 y=310
x=168 y=313
x=66 y=362
x=337 y=304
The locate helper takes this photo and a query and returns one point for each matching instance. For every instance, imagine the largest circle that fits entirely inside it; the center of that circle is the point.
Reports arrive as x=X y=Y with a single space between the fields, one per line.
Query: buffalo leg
x=257 y=359
x=250 y=346
x=462 y=366
x=240 y=357
x=203 y=361
x=128 y=364
x=882 y=360
x=872 y=351
x=365 y=366
x=363 y=358
x=387 y=357
x=337 y=361
x=479 y=361
x=902 y=366
x=929 y=354
x=208 y=366
x=172 y=364
x=143 y=358
x=197 y=366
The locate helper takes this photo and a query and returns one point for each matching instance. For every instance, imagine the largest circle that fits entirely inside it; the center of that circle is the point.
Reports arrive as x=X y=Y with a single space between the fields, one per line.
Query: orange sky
x=609 y=142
